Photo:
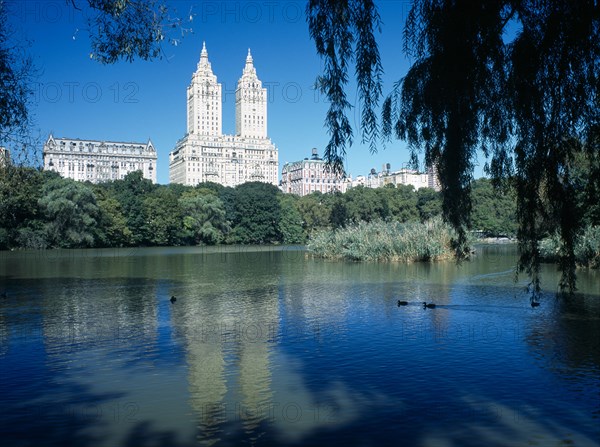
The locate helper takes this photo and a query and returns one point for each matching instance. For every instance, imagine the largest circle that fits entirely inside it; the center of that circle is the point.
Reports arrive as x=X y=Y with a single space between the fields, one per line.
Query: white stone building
x=309 y=175
x=204 y=153
x=404 y=176
x=4 y=157
x=98 y=161
x=407 y=177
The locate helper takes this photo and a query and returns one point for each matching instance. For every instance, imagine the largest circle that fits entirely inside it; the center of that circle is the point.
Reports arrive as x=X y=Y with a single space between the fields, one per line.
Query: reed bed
x=385 y=241
x=587 y=248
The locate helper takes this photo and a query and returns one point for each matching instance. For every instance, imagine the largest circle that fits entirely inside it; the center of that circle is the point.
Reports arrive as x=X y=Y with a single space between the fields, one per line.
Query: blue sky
x=77 y=97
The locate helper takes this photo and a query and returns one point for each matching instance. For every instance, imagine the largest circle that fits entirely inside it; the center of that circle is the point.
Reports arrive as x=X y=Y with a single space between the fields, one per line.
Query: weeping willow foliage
x=586 y=251
x=343 y=32
x=385 y=241
x=529 y=102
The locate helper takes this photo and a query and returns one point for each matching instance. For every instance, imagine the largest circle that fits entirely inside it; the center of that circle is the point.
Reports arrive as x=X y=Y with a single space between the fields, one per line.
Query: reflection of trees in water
x=79 y=314
x=4 y=335
x=569 y=333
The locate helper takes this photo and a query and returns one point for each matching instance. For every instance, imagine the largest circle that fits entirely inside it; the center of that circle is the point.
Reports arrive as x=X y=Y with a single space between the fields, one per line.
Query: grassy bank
x=385 y=241
x=587 y=248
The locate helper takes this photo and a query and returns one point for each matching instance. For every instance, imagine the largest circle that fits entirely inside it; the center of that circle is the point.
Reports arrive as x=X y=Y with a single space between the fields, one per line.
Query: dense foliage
x=386 y=241
x=39 y=209
x=587 y=247
x=518 y=80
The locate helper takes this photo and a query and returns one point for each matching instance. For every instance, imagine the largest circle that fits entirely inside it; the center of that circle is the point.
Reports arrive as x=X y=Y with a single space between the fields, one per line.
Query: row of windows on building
x=318 y=180
x=81 y=144
x=91 y=166
x=99 y=160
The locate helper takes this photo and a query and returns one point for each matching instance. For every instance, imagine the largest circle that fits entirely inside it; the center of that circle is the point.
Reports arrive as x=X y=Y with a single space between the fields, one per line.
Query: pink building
x=310 y=175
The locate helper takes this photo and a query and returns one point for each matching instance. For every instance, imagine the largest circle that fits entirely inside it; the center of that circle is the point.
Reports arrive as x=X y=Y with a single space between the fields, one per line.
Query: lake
x=267 y=346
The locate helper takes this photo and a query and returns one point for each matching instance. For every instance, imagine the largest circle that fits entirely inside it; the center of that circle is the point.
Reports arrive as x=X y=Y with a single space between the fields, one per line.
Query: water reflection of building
x=228 y=353
x=200 y=324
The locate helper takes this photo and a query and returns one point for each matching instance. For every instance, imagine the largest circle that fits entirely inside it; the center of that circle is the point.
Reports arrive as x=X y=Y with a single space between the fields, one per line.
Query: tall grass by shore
x=587 y=248
x=385 y=241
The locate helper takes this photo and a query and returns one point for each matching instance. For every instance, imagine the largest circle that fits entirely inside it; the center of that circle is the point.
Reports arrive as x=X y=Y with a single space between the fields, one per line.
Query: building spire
x=204 y=64
x=249 y=68
x=204 y=53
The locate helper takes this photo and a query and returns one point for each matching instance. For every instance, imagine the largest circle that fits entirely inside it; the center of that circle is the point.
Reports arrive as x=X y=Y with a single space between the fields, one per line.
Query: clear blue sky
x=77 y=97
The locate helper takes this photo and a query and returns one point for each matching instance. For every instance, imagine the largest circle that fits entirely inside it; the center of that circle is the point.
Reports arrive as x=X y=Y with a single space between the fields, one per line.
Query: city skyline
x=77 y=97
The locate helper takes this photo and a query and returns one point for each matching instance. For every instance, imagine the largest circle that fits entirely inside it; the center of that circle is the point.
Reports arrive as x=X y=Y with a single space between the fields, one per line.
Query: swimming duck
x=173 y=299
x=428 y=305
x=535 y=303
x=402 y=303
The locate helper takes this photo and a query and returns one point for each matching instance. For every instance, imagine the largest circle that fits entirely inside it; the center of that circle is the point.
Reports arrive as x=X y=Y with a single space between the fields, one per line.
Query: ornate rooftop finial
x=249 y=68
x=204 y=53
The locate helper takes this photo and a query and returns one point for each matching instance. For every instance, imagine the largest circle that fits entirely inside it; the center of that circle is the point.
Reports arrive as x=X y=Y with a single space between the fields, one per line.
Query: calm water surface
x=268 y=347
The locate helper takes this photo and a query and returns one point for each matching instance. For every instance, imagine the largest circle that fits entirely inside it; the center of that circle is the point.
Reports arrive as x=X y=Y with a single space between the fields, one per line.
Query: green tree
x=163 y=217
x=20 y=191
x=112 y=225
x=365 y=204
x=204 y=216
x=71 y=213
x=533 y=100
x=314 y=211
x=16 y=75
x=131 y=193
x=257 y=214
x=494 y=211
x=290 y=222
x=339 y=211
x=401 y=202
x=429 y=203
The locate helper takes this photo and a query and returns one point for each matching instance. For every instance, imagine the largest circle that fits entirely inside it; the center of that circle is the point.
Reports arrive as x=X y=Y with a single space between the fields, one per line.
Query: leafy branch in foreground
x=342 y=31
x=16 y=76
x=529 y=102
x=130 y=29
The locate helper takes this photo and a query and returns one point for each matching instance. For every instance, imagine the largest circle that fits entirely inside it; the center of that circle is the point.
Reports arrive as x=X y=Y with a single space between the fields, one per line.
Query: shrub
x=385 y=241
x=587 y=247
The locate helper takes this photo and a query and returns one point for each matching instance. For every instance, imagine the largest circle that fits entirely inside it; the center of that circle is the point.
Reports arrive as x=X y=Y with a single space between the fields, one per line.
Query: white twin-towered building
x=205 y=154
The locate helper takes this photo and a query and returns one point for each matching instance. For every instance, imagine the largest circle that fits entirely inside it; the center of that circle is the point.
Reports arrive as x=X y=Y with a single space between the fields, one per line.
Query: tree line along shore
x=41 y=210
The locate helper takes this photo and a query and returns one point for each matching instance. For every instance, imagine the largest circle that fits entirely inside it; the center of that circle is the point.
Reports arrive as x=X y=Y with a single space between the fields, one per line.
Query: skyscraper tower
x=204 y=100
x=205 y=154
x=250 y=103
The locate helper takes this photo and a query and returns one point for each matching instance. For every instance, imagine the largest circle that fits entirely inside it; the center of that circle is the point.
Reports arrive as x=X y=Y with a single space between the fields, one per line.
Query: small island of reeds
x=586 y=249
x=382 y=241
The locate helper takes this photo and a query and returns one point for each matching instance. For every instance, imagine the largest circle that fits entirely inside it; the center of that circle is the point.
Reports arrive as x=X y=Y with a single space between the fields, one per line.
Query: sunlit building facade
x=404 y=176
x=99 y=161
x=205 y=153
x=4 y=157
x=309 y=175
